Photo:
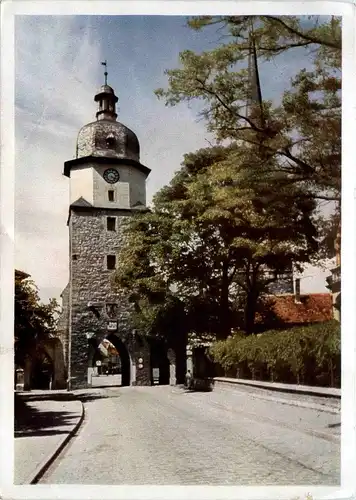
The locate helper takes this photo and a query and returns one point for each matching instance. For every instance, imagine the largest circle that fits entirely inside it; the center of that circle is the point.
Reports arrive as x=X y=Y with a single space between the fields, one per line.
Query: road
x=165 y=435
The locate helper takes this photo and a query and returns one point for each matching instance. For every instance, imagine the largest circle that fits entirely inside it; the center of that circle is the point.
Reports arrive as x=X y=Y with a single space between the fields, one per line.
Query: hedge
x=304 y=355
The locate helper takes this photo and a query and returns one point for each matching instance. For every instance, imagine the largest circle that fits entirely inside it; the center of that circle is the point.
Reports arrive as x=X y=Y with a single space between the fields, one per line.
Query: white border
x=170 y=7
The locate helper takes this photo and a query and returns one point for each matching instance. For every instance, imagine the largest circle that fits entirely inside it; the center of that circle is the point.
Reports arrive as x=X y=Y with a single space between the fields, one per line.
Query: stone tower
x=107 y=185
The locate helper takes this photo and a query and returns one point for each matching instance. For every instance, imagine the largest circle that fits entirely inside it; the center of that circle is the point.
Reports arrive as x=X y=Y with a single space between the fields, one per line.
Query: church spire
x=106 y=100
x=254 y=101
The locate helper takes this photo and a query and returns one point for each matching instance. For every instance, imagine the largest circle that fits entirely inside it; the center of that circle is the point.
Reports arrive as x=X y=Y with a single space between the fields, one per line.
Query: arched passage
x=42 y=371
x=159 y=362
x=109 y=362
x=124 y=358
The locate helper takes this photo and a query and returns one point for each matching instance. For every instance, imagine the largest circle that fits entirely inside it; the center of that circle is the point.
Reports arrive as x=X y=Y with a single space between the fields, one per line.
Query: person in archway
x=189 y=380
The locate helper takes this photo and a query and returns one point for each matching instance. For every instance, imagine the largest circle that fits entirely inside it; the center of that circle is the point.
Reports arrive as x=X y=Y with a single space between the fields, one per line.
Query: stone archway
x=160 y=362
x=42 y=372
x=109 y=362
x=44 y=366
x=54 y=349
x=126 y=368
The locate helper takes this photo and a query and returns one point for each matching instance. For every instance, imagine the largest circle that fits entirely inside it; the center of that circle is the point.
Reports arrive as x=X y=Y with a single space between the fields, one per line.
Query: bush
x=304 y=355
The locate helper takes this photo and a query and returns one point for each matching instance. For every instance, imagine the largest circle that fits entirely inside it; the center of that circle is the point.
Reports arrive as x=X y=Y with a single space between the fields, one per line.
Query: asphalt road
x=164 y=435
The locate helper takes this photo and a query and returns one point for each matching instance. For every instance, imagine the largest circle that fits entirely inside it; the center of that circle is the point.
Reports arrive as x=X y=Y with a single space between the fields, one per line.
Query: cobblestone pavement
x=164 y=435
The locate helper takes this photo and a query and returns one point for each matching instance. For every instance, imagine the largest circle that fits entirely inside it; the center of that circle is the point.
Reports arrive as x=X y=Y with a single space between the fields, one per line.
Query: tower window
x=111 y=223
x=110 y=261
x=111 y=193
x=110 y=140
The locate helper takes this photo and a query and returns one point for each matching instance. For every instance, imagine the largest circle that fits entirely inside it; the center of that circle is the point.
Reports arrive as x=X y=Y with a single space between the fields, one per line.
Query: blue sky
x=58 y=71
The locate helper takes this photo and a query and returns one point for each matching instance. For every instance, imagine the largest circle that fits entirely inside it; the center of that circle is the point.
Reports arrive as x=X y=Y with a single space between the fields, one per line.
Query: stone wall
x=63 y=324
x=54 y=348
x=92 y=288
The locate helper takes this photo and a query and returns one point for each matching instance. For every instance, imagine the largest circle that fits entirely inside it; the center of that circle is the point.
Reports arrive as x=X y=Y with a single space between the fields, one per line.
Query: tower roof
x=106 y=137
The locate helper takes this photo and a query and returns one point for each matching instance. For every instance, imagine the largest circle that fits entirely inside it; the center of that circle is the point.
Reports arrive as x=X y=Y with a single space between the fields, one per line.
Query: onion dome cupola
x=106 y=140
x=106 y=136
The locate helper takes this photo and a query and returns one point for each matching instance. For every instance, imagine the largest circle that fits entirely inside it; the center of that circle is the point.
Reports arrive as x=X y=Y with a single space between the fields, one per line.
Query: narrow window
x=75 y=256
x=111 y=261
x=111 y=194
x=111 y=223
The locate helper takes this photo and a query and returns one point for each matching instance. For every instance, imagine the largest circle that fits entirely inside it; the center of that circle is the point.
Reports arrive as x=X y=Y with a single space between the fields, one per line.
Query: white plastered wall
x=81 y=184
x=130 y=189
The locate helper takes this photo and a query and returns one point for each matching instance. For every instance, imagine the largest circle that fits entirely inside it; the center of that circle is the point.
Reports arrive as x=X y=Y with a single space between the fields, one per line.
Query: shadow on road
x=92 y=396
x=31 y=421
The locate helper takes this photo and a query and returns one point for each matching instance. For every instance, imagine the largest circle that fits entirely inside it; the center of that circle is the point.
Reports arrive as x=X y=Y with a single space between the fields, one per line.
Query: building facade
x=334 y=280
x=107 y=186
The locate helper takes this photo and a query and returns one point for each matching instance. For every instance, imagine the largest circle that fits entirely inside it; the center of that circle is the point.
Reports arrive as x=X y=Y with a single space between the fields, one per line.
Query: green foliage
x=299 y=354
x=34 y=321
x=302 y=133
x=210 y=237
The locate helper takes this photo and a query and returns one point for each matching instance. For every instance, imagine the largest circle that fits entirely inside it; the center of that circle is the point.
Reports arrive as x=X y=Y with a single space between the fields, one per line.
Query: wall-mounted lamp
x=94 y=309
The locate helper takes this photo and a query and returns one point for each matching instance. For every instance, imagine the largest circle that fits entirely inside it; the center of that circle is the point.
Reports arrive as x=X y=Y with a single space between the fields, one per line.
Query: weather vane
x=106 y=71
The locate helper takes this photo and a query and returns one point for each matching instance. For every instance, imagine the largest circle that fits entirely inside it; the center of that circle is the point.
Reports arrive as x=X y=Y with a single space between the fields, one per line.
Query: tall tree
x=212 y=235
x=303 y=132
x=34 y=321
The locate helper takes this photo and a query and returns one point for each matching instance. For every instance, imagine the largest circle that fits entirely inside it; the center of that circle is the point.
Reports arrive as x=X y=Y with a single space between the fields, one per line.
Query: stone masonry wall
x=91 y=284
x=63 y=324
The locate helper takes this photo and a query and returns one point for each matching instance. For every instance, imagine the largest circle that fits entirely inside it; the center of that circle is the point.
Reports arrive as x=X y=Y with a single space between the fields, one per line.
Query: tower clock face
x=111 y=175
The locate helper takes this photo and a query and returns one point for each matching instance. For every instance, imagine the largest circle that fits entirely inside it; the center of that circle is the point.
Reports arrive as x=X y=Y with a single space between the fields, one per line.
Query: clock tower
x=107 y=172
x=107 y=185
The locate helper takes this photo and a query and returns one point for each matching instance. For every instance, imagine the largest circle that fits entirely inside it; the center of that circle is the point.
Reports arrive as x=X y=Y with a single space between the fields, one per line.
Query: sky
x=58 y=71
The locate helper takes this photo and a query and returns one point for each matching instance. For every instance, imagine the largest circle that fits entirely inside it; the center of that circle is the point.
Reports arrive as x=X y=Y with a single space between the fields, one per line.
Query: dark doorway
x=203 y=366
x=124 y=358
x=42 y=372
x=159 y=362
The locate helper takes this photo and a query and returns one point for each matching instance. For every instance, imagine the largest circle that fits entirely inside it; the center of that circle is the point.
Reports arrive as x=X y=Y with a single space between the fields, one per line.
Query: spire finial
x=255 y=93
x=105 y=63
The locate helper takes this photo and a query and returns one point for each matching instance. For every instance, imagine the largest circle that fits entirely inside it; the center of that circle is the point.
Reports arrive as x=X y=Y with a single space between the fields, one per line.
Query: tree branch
x=211 y=92
x=304 y=36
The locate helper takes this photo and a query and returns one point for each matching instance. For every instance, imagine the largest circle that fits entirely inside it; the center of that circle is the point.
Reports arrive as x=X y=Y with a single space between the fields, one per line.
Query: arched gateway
x=107 y=185
x=110 y=363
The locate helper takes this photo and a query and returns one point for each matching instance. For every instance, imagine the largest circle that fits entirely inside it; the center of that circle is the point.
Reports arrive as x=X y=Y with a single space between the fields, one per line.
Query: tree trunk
x=331 y=372
x=250 y=311
x=225 y=321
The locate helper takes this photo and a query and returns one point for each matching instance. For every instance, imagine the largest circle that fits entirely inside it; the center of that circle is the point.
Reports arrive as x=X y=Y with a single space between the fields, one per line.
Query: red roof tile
x=313 y=308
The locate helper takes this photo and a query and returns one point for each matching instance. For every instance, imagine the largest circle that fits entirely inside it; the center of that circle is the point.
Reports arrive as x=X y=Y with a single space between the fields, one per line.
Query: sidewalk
x=44 y=423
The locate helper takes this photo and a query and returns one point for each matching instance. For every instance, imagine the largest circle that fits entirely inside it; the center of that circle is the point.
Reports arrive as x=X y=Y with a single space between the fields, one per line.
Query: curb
x=299 y=404
x=292 y=389
x=48 y=461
